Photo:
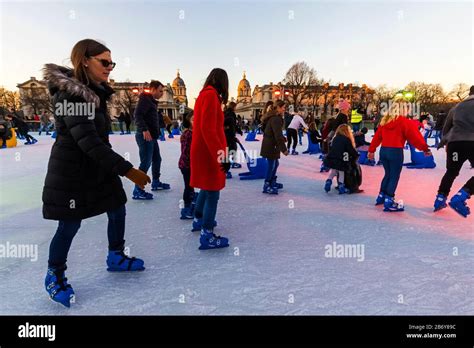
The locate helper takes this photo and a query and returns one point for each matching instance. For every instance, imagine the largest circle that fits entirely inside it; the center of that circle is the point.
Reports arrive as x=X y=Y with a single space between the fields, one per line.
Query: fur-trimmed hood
x=60 y=78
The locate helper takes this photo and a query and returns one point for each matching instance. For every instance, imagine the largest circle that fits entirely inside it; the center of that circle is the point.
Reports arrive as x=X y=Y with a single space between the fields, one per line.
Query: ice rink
x=413 y=263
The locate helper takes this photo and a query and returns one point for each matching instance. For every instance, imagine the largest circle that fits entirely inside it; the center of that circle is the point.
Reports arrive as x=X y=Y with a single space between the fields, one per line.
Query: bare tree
x=297 y=81
x=126 y=101
x=459 y=92
x=427 y=94
x=38 y=99
x=314 y=92
x=9 y=100
x=383 y=94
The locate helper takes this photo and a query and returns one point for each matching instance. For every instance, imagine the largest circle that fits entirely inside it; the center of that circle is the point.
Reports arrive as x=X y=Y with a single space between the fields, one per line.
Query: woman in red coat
x=393 y=132
x=209 y=162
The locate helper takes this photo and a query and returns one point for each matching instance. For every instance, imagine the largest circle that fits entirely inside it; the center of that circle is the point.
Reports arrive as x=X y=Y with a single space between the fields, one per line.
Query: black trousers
x=458 y=152
x=188 y=193
x=292 y=135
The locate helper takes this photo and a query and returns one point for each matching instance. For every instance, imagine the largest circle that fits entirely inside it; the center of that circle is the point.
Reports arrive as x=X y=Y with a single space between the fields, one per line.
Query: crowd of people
x=84 y=172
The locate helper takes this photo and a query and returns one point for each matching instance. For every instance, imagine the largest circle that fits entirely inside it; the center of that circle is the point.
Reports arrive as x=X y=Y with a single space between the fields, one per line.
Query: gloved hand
x=138 y=177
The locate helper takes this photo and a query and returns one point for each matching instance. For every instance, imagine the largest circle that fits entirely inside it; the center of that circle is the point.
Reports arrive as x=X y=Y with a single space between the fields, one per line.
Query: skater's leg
x=156 y=161
x=275 y=168
x=188 y=192
x=469 y=186
x=200 y=201
x=61 y=242
x=289 y=138
x=386 y=166
x=145 y=150
x=210 y=209
x=332 y=174
x=121 y=126
x=455 y=158
x=28 y=137
x=294 y=135
x=116 y=228
x=396 y=164
x=341 y=176
x=270 y=167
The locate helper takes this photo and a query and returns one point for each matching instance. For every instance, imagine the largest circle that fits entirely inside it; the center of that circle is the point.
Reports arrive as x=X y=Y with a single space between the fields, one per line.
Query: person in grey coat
x=458 y=136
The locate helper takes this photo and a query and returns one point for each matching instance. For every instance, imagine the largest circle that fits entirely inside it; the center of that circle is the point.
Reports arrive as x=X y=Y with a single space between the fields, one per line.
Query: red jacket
x=396 y=133
x=208 y=143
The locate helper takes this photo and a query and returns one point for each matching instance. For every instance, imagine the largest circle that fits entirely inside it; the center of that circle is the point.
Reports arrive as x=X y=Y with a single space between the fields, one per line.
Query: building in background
x=34 y=97
x=318 y=100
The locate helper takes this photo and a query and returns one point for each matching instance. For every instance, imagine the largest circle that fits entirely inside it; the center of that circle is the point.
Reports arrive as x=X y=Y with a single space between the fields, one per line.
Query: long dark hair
x=220 y=81
x=230 y=106
x=187 y=120
x=85 y=49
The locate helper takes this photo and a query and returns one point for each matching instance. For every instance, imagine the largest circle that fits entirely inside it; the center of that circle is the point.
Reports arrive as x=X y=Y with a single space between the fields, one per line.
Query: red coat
x=208 y=142
x=396 y=133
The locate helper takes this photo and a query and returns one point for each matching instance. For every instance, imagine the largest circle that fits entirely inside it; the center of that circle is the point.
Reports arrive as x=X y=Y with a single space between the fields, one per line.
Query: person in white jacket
x=292 y=132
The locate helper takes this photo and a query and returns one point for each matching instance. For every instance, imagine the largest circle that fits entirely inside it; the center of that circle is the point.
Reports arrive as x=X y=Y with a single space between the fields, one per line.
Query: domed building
x=244 y=92
x=179 y=90
x=250 y=105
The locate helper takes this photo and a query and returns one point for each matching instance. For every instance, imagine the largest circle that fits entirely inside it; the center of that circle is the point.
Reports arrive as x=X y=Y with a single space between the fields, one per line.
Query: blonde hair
x=387 y=119
x=346 y=131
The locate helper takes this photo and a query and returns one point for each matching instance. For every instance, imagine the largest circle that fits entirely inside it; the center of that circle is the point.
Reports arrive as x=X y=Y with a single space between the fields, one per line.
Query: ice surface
x=416 y=262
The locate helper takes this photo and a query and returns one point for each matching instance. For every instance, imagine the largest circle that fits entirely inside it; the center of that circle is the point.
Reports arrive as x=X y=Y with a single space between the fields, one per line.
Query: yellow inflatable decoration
x=12 y=141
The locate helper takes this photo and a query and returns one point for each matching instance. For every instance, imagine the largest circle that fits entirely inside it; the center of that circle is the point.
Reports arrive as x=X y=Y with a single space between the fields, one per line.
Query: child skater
x=273 y=143
x=185 y=166
x=341 y=153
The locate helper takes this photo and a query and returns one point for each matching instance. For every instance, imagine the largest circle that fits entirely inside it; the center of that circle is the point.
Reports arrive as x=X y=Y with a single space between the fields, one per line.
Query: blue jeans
x=149 y=156
x=356 y=127
x=67 y=229
x=44 y=128
x=271 y=169
x=206 y=208
x=392 y=160
x=437 y=136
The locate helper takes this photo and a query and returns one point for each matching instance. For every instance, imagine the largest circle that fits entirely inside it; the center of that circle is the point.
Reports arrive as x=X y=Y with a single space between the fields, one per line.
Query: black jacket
x=146 y=115
x=83 y=170
x=230 y=129
x=359 y=138
x=315 y=136
x=20 y=124
x=341 y=153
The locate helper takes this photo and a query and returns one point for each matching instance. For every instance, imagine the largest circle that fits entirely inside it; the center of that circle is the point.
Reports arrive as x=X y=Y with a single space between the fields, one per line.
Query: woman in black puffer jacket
x=83 y=178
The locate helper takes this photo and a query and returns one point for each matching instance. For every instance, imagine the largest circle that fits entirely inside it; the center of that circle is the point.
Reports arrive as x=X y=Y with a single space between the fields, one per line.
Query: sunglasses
x=105 y=63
